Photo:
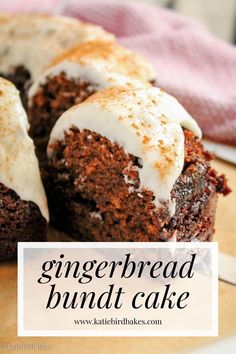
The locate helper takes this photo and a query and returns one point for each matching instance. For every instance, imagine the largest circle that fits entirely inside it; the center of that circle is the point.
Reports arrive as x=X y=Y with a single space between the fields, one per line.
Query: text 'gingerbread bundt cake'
x=23 y=205
x=128 y=165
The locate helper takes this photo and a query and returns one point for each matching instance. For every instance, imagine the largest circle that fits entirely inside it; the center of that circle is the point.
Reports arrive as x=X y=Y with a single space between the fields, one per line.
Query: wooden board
x=225 y=234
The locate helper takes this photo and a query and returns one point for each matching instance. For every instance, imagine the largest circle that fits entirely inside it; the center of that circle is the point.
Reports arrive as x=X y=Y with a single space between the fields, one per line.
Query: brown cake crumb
x=94 y=193
x=58 y=94
x=20 y=220
x=20 y=77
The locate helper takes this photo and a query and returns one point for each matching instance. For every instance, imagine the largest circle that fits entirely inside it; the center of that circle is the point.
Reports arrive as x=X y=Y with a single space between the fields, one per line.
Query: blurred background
x=219 y=16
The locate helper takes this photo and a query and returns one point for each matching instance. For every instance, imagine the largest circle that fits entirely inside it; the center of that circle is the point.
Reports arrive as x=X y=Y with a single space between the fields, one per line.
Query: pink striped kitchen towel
x=191 y=64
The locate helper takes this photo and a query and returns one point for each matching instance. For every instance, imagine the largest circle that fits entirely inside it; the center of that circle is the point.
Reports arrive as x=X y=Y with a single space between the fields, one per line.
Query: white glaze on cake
x=147 y=123
x=19 y=168
x=102 y=64
x=35 y=40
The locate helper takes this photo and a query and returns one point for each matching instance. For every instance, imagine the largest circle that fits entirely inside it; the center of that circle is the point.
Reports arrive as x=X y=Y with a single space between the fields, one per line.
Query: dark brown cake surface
x=20 y=77
x=19 y=221
x=94 y=193
x=53 y=98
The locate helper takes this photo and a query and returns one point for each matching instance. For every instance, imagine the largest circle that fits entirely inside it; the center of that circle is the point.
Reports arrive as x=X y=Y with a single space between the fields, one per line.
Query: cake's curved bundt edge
x=23 y=204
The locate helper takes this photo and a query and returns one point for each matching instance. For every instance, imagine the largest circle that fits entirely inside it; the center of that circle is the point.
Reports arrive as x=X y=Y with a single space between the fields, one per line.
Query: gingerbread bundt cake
x=23 y=205
x=125 y=164
x=128 y=165
x=75 y=75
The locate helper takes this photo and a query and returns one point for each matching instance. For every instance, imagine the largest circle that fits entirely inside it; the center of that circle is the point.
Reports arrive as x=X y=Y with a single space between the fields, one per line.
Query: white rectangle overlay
x=117 y=289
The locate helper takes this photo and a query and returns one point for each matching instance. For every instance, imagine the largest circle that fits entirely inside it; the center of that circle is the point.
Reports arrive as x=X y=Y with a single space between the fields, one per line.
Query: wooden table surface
x=225 y=234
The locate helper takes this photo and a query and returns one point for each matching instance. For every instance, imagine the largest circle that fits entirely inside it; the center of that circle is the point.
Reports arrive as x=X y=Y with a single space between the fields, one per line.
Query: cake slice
x=29 y=42
x=23 y=204
x=74 y=76
x=128 y=165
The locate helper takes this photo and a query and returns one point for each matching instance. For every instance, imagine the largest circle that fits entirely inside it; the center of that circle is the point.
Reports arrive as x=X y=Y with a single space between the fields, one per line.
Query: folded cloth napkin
x=191 y=64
